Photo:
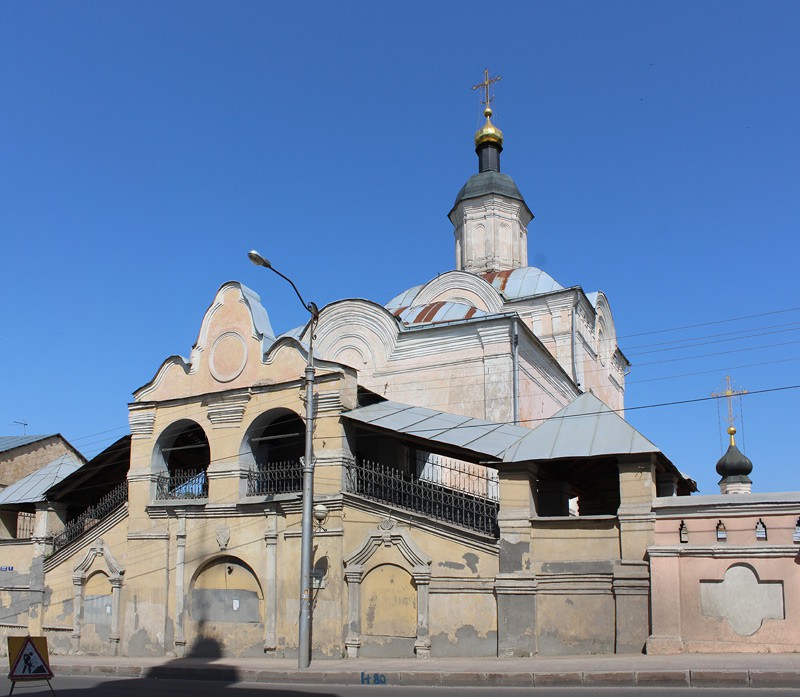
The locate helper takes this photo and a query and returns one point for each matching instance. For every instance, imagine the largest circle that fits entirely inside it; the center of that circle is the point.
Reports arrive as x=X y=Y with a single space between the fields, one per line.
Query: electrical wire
x=708 y=324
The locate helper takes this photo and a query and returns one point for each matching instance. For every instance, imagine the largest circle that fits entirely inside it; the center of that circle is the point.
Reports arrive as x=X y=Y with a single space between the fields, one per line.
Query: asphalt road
x=99 y=687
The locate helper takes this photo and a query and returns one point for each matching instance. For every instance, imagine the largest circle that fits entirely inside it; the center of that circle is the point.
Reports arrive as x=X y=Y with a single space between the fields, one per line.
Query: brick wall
x=20 y=462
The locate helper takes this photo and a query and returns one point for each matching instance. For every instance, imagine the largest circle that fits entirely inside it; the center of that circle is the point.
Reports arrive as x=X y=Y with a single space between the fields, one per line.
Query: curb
x=433 y=678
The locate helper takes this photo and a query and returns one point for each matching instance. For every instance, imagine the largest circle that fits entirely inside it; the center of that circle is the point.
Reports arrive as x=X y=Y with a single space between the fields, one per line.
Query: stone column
x=632 y=606
x=77 y=616
x=515 y=584
x=637 y=489
x=422 y=645
x=665 y=604
x=116 y=608
x=180 y=593
x=353 y=640
x=271 y=585
x=50 y=520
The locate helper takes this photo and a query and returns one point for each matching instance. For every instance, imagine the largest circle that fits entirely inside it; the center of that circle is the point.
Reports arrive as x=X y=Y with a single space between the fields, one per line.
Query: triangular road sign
x=30 y=664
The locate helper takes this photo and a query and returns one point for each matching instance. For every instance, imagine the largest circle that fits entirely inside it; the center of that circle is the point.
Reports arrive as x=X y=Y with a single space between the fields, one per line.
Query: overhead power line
x=707 y=324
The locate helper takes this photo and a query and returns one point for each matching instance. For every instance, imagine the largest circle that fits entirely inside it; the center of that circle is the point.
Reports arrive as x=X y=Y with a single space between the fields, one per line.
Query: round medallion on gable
x=228 y=357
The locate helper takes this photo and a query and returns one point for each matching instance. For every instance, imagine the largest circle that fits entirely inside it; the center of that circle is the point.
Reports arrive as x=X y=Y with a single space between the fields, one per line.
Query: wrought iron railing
x=423 y=495
x=25 y=524
x=182 y=484
x=471 y=478
x=275 y=478
x=92 y=516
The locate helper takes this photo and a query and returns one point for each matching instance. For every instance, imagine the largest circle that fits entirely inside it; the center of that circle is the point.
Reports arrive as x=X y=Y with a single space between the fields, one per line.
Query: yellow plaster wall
x=388 y=602
x=574 y=538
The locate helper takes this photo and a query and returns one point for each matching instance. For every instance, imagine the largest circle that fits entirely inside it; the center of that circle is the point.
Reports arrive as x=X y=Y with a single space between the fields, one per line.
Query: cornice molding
x=725 y=552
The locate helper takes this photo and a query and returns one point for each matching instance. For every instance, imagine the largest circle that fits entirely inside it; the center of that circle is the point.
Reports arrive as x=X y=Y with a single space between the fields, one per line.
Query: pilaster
x=515 y=585
x=271 y=585
x=637 y=489
x=631 y=586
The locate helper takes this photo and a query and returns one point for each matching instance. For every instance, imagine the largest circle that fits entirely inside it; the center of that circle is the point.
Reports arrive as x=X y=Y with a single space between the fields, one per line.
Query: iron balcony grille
x=25 y=525
x=182 y=484
x=478 y=480
x=284 y=477
x=92 y=516
x=387 y=484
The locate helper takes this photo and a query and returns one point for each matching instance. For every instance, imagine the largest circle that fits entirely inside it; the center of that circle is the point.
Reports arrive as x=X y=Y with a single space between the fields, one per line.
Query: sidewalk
x=696 y=670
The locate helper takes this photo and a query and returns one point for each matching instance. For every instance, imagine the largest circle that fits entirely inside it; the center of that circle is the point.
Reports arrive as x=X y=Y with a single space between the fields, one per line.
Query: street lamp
x=304 y=634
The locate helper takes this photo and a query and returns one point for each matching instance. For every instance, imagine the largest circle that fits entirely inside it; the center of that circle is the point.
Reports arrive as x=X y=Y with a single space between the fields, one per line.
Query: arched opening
x=97 y=600
x=273 y=447
x=182 y=455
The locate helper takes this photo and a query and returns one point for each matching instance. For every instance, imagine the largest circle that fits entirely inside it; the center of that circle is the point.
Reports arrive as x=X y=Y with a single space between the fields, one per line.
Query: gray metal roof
x=10 y=442
x=260 y=316
x=586 y=427
x=433 y=313
x=32 y=488
x=484 y=437
x=523 y=282
x=489 y=182
x=405 y=298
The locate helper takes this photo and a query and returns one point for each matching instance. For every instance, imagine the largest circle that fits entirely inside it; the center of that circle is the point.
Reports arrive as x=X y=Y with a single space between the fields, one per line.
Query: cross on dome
x=487 y=81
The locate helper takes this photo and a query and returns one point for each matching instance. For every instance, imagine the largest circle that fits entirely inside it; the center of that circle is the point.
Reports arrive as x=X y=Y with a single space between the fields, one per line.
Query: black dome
x=734 y=463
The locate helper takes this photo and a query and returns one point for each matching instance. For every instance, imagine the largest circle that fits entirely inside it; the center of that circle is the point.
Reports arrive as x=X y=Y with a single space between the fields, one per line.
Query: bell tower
x=490 y=217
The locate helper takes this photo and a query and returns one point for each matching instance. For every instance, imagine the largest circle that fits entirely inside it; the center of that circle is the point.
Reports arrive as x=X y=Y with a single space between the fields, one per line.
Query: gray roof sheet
x=489 y=182
x=524 y=282
x=405 y=298
x=586 y=427
x=260 y=317
x=437 y=312
x=10 y=442
x=484 y=437
x=32 y=488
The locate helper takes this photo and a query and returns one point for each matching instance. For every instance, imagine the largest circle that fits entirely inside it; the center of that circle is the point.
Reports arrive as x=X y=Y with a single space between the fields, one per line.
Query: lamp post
x=304 y=630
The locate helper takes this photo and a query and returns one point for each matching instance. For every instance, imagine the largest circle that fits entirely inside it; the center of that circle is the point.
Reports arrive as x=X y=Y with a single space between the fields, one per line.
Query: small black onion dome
x=734 y=463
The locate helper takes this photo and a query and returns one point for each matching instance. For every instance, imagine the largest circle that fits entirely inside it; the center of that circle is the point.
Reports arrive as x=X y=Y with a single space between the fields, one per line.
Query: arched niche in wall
x=181 y=458
x=387 y=561
x=97 y=584
x=271 y=450
x=225 y=589
x=388 y=603
x=97 y=600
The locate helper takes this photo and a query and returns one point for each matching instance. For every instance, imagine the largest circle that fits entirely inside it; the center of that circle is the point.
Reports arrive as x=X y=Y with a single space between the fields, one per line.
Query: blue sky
x=146 y=146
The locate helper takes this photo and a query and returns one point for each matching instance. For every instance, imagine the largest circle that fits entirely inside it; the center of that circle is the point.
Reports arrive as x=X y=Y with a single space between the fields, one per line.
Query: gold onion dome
x=489 y=133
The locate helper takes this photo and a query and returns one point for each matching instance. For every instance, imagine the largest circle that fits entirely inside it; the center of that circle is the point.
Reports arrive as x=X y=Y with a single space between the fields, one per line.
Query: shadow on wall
x=204 y=646
x=204 y=649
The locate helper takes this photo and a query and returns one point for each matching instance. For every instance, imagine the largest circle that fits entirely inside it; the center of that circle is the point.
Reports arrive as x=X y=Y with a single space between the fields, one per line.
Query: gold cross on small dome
x=487 y=81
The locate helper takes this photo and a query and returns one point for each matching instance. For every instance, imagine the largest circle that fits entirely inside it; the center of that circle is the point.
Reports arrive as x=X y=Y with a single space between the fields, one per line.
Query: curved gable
x=356 y=332
x=461 y=287
x=235 y=335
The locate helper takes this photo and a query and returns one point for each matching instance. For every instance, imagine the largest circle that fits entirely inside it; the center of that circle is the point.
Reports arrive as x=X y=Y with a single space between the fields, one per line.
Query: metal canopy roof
x=484 y=437
x=584 y=428
x=32 y=488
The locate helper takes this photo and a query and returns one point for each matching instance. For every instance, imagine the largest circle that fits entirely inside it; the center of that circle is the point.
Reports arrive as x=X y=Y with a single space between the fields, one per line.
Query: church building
x=477 y=490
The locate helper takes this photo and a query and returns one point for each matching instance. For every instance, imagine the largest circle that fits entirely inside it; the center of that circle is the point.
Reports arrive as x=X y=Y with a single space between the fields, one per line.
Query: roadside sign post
x=28 y=660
